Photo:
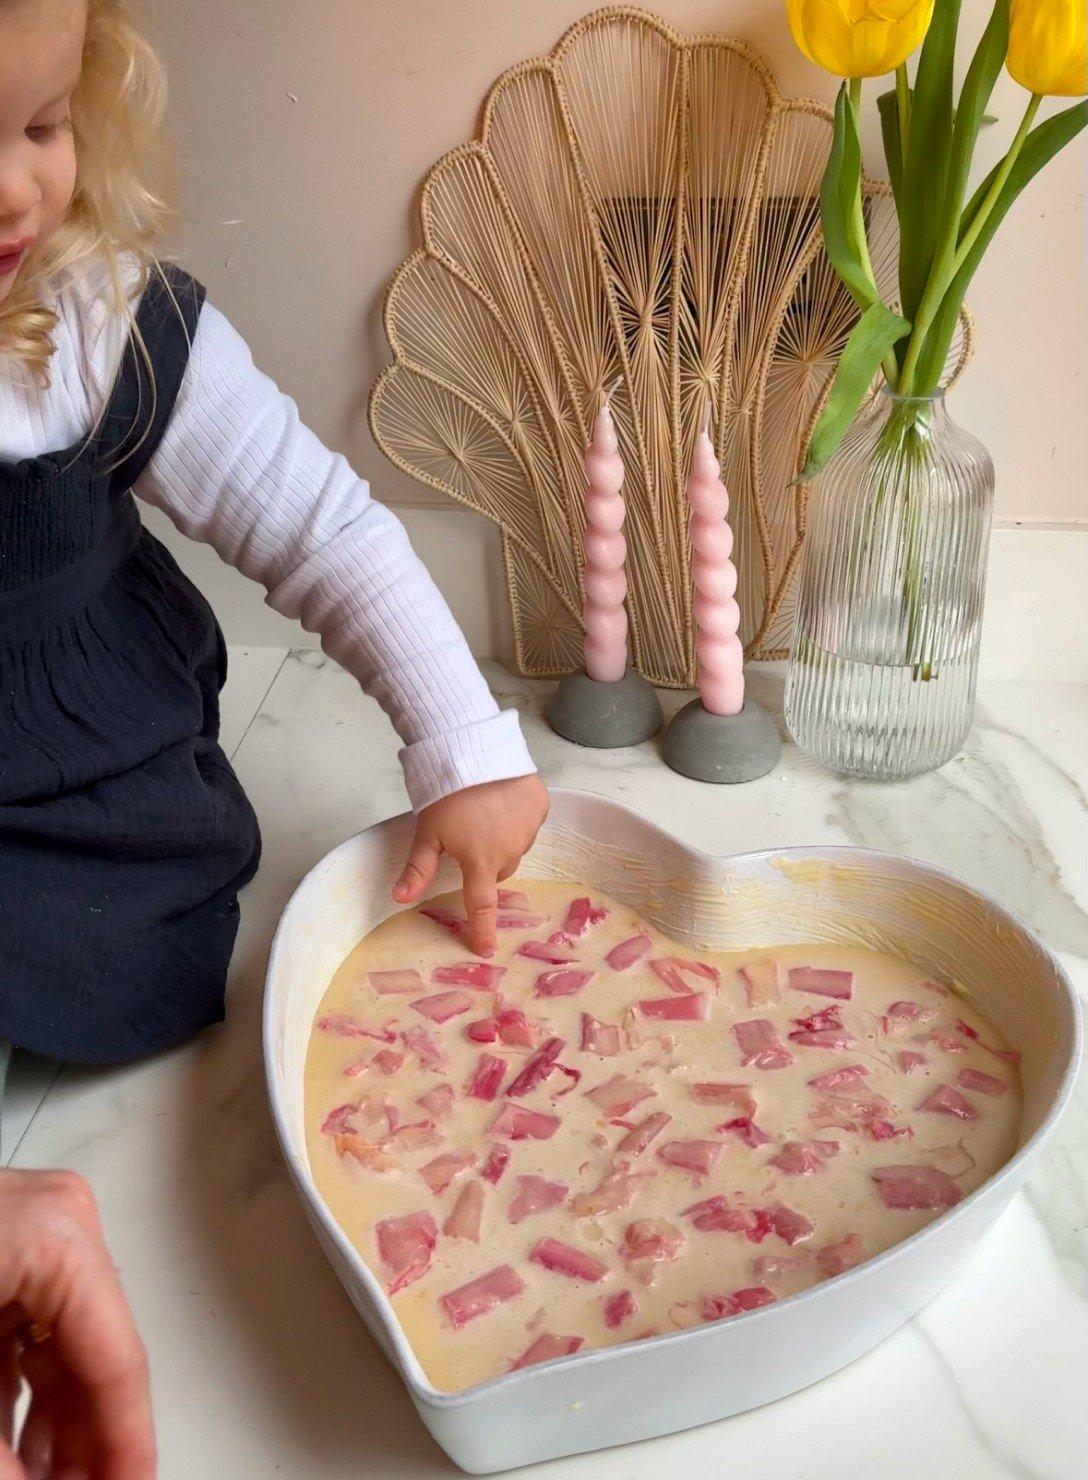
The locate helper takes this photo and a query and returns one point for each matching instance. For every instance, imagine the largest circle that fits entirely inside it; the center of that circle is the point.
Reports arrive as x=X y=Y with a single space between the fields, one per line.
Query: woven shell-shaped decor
x=640 y=212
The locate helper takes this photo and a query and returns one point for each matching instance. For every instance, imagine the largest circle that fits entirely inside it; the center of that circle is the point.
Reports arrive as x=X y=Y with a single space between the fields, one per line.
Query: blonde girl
x=124 y=835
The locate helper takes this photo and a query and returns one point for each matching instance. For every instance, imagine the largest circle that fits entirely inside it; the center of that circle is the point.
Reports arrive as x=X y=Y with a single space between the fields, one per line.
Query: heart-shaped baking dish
x=786 y=896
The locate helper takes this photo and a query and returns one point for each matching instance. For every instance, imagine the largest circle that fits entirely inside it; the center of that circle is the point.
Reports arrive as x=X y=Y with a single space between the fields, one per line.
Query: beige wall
x=305 y=126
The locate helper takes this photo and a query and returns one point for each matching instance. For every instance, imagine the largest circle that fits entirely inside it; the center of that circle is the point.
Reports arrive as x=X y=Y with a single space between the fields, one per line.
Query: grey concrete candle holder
x=604 y=715
x=722 y=748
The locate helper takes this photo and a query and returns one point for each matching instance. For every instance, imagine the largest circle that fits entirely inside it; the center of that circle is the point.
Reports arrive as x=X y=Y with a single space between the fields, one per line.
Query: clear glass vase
x=884 y=659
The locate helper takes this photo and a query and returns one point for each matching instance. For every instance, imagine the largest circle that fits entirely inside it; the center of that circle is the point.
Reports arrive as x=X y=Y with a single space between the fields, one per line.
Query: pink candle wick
x=717 y=615
x=605 y=555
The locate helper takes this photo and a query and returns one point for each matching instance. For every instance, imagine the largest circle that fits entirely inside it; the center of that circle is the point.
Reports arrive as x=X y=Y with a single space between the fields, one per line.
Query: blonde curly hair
x=121 y=204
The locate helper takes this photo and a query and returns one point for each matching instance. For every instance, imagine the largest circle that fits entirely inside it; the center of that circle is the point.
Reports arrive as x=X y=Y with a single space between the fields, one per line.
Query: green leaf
x=927 y=163
x=986 y=65
x=838 y=192
x=888 y=107
x=1039 y=149
x=871 y=338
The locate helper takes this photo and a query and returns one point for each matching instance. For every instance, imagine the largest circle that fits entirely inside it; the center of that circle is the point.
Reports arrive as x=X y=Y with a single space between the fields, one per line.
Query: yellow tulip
x=859 y=38
x=1048 y=47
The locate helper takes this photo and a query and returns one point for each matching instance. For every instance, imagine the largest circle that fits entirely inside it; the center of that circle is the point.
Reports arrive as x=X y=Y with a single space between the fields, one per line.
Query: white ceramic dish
x=600 y=1398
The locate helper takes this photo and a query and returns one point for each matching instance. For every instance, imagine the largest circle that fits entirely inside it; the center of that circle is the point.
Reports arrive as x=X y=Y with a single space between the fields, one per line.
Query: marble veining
x=247 y=1325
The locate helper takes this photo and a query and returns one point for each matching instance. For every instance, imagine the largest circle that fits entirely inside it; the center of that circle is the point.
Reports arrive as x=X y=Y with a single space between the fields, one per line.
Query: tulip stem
x=953 y=253
x=890 y=365
x=983 y=212
x=902 y=97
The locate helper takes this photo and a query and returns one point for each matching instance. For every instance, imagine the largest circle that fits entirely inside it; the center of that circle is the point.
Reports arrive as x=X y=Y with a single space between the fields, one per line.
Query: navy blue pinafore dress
x=124 y=834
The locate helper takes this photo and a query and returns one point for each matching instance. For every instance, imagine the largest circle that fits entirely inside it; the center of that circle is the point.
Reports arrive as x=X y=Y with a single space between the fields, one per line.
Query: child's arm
x=237 y=469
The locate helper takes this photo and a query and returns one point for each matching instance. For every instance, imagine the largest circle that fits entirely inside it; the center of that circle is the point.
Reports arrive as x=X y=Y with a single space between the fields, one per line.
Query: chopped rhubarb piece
x=745 y=1127
x=519 y=1124
x=582 y=916
x=774 y=1266
x=694 y=1007
x=425 y=1048
x=836 y=1038
x=885 y=1131
x=342 y=1024
x=849 y=1106
x=482 y=1030
x=838 y=1257
x=637 y=1140
x=619 y=1094
x=536 y=1068
x=481 y=1295
x=466 y=1216
x=752 y=1298
x=740 y=1096
x=443 y=1005
x=513 y=899
x=475 y=974
x=714 y=1215
x=790 y=1226
x=557 y=950
x=535 y=1195
x=760 y=1045
x=387 y=1061
x=825 y=983
x=684 y=977
x=614 y=1191
x=946 y=1042
x=650 y=1241
x=910 y=1062
x=760 y=980
x=574 y=1075
x=691 y=1156
x=624 y=956
x=945 y=1100
x=405 y=1246
x=373 y=1155
x=546 y=1348
x=455 y=924
x=497 y=1160
x=560 y=982
x=1009 y=1055
x=514 y=1028
x=338 y=1119
x=415 y=1135
x=438 y=1101
x=488 y=1075
x=911 y=1012
x=800 y=1158
x=600 y=1038
x=913 y=1188
x=618 y=1308
x=981 y=1084
x=386 y=983
x=834 y=1079
x=517 y=920
x=564 y=1259
x=967 y=1030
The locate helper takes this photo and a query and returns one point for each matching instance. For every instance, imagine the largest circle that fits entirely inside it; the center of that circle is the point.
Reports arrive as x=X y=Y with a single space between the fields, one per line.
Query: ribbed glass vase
x=883 y=664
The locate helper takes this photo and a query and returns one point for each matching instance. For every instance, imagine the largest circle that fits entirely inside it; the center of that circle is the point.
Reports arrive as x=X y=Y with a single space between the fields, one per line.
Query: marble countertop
x=261 y=1367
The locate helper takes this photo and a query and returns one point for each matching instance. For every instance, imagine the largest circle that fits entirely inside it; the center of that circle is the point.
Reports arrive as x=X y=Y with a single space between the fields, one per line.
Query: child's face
x=41 y=47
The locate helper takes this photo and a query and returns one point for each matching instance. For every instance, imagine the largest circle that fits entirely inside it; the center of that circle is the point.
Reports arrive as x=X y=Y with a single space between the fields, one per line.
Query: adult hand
x=66 y=1328
x=487 y=829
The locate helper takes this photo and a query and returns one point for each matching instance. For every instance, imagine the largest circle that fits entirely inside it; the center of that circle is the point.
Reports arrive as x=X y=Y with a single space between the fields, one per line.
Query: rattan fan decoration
x=640 y=210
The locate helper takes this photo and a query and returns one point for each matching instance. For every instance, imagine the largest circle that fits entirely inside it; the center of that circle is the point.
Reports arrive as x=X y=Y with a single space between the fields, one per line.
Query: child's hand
x=487 y=829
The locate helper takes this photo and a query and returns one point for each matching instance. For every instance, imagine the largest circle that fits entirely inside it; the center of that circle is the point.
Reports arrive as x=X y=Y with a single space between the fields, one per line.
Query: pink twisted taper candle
x=606 y=552
x=717 y=615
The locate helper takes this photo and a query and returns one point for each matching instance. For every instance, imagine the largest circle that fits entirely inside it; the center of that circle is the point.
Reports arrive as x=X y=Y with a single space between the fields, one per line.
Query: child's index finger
x=480 y=893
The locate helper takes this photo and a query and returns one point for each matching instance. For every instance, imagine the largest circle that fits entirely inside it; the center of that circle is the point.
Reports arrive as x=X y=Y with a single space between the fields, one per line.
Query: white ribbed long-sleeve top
x=238 y=470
